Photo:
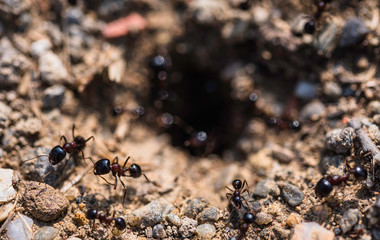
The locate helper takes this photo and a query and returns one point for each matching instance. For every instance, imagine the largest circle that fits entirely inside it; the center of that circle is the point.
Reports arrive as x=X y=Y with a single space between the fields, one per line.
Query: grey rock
x=292 y=195
x=266 y=186
x=174 y=219
x=9 y=140
x=195 y=206
x=53 y=97
x=208 y=214
x=159 y=231
x=312 y=111
x=74 y=16
x=52 y=69
x=350 y=218
x=39 y=47
x=46 y=233
x=30 y=126
x=353 y=32
x=149 y=215
x=263 y=218
x=306 y=90
x=374 y=107
x=206 y=231
x=332 y=90
x=188 y=227
x=282 y=154
x=333 y=165
x=340 y=140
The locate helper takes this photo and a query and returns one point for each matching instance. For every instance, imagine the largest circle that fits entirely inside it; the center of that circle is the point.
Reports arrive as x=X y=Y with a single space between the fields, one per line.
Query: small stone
x=266 y=186
x=353 y=32
x=53 y=97
x=44 y=202
x=312 y=111
x=17 y=230
x=208 y=214
x=333 y=165
x=195 y=206
x=39 y=47
x=263 y=218
x=159 y=231
x=7 y=192
x=292 y=195
x=174 y=219
x=350 y=218
x=149 y=215
x=373 y=107
x=340 y=140
x=30 y=126
x=206 y=231
x=282 y=154
x=188 y=227
x=332 y=90
x=305 y=90
x=52 y=69
x=46 y=233
x=311 y=231
x=292 y=220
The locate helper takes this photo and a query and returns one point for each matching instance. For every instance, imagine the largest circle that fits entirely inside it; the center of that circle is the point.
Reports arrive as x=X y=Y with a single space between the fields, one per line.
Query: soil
x=198 y=93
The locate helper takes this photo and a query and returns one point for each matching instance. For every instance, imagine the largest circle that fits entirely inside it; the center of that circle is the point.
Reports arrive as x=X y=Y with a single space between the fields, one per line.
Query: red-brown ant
x=325 y=185
x=104 y=166
x=137 y=111
x=309 y=26
x=248 y=218
x=93 y=214
x=236 y=197
x=58 y=153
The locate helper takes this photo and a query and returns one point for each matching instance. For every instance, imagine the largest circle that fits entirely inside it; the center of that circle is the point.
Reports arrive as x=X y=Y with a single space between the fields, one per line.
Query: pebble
x=206 y=231
x=46 y=233
x=350 y=218
x=292 y=220
x=266 y=186
x=332 y=90
x=372 y=108
x=44 y=202
x=312 y=111
x=174 y=219
x=263 y=218
x=195 y=206
x=292 y=195
x=39 y=47
x=149 y=215
x=311 y=231
x=52 y=69
x=326 y=41
x=208 y=214
x=159 y=231
x=17 y=230
x=188 y=227
x=340 y=140
x=53 y=97
x=282 y=154
x=353 y=32
x=305 y=90
x=7 y=192
x=30 y=126
x=5 y=210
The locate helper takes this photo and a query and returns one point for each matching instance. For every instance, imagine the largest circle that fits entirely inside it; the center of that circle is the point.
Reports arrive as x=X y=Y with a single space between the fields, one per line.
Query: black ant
x=283 y=124
x=236 y=197
x=93 y=214
x=248 y=218
x=137 y=111
x=58 y=153
x=325 y=186
x=104 y=166
x=309 y=26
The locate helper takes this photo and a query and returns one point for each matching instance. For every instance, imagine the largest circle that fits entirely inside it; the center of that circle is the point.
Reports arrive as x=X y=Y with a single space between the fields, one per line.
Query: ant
x=58 y=153
x=283 y=124
x=309 y=26
x=104 y=166
x=325 y=185
x=248 y=218
x=93 y=214
x=236 y=197
x=137 y=111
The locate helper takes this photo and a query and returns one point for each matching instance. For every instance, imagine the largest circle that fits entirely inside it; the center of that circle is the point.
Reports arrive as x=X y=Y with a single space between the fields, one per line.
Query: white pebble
x=17 y=229
x=7 y=192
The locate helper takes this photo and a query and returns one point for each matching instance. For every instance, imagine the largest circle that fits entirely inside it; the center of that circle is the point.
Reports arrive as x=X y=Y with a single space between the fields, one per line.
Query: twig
x=25 y=222
x=76 y=179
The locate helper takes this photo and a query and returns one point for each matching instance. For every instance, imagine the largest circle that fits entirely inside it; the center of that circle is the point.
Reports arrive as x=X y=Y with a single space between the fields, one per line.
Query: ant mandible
x=93 y=214
x=248 y=218
x=58 y=153
x=104 y=166
x=325 y=185
x=235 y=197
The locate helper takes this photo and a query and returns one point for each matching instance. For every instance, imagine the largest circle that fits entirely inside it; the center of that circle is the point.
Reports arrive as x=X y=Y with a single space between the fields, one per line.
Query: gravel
x=53 y=97
x=292 y=195
x=148 y=215
x=159 y=231
x=206 y=231
x=195 y=206
x=188 y=227
x=46 y=233
x=311 y=231
x=350 y=218
x=208 y=215
x=353 y=32
x=174 y=219
x=263 y=218
x=17 y=229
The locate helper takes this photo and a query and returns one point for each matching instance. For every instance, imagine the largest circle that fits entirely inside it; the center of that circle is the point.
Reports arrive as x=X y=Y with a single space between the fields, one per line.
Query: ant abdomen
x=56 y=155
x=102 y=167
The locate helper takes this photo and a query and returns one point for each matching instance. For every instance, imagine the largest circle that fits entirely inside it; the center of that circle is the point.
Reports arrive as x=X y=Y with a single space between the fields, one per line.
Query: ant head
x=135 y=170
x=360 y=172
x=103 y=166
x=56 y=155
x=323 y=188
x=120 y=223
x=248 y=217
x=236 y=183
x=79 y=140
x=92 y=214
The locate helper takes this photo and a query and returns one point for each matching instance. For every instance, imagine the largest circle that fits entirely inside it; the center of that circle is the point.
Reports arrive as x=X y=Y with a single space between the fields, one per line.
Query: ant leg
x=90 y=138
x=122 y=183
x=125 y=163
x=33 y=158
x=246 y=203
x=106 y=180
x=43 y=178
x=115 y=183
x=89 y=158
x=64 y=138
x=154 y=183
x=229 y=188
x=124 y=196
x=115 y=160
x=72 y=130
